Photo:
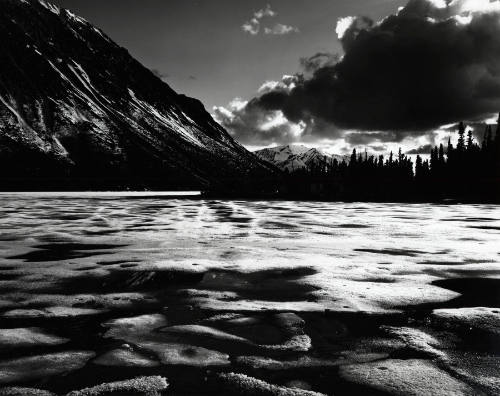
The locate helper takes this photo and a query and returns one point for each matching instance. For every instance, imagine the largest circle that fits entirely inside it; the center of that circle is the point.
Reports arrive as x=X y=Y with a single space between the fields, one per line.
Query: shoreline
x=202 y=195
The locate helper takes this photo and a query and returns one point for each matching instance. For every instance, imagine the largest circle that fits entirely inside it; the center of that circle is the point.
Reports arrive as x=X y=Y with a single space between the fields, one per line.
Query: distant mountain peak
x=292 y=157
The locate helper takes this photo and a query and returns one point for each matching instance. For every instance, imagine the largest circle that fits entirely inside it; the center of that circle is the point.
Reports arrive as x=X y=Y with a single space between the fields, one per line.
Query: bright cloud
x=279 y=29
x=477 y=5
x=265 y=12
x=254 y=25
x=342 y=25
x=286 y=84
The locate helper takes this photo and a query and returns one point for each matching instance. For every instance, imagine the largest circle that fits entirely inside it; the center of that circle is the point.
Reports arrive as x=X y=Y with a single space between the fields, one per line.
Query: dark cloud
x=425 y=149
x=364 y=138
x=423 y=67
x=321 y=59
x=357 y=26
x=408 y=73
x=379 y=148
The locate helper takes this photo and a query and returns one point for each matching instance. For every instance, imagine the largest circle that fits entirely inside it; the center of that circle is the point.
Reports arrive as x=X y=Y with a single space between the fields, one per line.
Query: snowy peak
x=281 y=153
x=73 y=103
x=297 y=157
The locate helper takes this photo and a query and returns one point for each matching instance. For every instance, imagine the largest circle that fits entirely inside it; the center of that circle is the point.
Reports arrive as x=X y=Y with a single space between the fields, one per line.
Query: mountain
x=295 y=157
x=75 y=106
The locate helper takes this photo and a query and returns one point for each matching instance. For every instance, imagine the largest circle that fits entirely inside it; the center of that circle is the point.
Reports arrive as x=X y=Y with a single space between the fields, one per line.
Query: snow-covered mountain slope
x=296 y=157
x=75 y=104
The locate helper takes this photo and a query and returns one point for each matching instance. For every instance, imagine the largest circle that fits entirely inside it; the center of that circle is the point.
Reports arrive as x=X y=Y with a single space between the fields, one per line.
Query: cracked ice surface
x=145 y=281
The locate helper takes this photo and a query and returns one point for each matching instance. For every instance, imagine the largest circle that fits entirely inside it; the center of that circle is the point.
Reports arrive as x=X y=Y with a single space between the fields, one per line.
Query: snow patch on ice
x=405 y=377
x=143 y=324
x=20 y=391
x=141 y=386
x=51 y=312
x=125 y=357
x=417 y=340
x=174 y=354
x=42 y=366
x=240 y=384
x=480 y=318
x=25 y=337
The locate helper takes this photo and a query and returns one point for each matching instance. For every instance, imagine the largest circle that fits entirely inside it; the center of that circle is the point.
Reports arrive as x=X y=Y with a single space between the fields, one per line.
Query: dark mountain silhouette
x=78 y=109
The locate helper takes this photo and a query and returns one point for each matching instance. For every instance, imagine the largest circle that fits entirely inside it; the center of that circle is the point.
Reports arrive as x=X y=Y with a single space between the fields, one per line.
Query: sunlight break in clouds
x=467 y=5
x=252 y=124
x=439 y=3
x=342 y=25
x=253 y=26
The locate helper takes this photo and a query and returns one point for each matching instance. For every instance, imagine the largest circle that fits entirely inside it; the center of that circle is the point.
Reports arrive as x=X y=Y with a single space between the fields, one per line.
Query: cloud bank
x=434 y=62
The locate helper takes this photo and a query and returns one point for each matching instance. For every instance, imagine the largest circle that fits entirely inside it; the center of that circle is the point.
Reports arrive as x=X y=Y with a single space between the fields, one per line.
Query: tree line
x=467 y=170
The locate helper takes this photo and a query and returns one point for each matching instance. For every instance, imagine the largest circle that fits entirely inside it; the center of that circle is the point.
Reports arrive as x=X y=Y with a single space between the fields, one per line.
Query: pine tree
x=353 y=157
x=441 y=154
x=497 y=136
x=485 y=138
x=418 y=167
x=461 y=137
x=470 y=140
x=434 y=160
x=425 y=167
x=496 y=139
x=489 y=137
x=449 y=150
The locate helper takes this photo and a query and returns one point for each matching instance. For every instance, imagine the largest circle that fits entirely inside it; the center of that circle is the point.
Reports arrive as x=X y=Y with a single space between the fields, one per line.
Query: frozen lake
x=332 y=298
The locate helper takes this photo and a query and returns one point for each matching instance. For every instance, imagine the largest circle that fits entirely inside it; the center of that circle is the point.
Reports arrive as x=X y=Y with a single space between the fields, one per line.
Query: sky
x=301 y=71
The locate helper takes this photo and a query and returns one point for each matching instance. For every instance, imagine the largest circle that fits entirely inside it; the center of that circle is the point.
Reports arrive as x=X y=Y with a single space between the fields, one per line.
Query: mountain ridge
x=74 y=104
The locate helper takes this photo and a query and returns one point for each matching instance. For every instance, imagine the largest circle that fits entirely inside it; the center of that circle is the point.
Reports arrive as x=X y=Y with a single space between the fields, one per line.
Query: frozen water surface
x=304 y=296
